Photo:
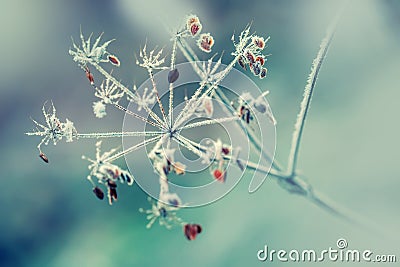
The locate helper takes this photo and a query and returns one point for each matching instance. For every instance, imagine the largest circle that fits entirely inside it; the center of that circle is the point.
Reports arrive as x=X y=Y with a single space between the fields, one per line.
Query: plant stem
x=307 y=95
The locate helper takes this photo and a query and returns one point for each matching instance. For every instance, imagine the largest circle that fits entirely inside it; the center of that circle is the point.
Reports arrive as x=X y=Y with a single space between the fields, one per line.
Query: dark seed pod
x=173 y=75
x=111 y=184
x=256 y=68
x=241 y=62
x=263 y=73
x=114 y=60
x=89 y=75
x=248 y=116
x=192 y=230
x=225 y=150
x=44 y=157
x=112 y=195
x=98 y=192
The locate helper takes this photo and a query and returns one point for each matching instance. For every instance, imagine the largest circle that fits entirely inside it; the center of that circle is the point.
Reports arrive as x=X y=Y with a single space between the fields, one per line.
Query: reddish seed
x=205 y=42
x=44 y=157
x=114 y=60
x=89 y=75
x=98 y=192
x=259 y=42
x=219 y=175
x=191 y=231
x=250 y=57
x=194 y=28
x=191 y=20
x=260 y=59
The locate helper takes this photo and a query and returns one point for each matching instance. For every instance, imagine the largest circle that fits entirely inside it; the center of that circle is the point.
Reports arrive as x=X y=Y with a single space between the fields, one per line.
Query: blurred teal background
x=350 y=149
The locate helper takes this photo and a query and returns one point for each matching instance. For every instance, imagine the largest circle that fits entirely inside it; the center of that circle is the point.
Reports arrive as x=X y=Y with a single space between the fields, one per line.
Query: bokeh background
x=350 y=149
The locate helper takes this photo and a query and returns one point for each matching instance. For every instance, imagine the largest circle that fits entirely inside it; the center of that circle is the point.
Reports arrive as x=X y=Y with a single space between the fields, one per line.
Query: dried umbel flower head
x=167 y=127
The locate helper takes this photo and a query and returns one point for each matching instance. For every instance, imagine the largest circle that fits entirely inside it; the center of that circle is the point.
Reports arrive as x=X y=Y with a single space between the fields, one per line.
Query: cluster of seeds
x=205 y=41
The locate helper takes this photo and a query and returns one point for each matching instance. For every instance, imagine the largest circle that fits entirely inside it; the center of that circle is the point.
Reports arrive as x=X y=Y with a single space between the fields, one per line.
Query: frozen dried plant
x=248 y=53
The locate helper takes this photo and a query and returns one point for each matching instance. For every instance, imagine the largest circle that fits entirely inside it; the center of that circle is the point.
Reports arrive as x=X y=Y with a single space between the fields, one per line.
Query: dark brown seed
x=263 y=73
x=173 y=75
x=89 y=75
x=44 y=157
x=241 y=62
x=111 y=184
x=114 y=60
x=225 y=150
x=248 y=117
x=98 y=192
x=194 y=28
x=112 y=195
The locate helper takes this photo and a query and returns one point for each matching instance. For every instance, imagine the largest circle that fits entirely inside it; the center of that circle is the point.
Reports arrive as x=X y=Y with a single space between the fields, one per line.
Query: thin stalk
x=116 y=134
x=153 y=82
x=133 y=148
x=305 y=103
x=208 y=122
x=138 y=116
x=171 y=86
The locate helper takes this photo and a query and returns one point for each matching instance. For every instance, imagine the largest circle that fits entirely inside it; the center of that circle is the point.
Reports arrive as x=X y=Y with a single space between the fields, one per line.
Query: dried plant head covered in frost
x=91 y=54
x=248 y=52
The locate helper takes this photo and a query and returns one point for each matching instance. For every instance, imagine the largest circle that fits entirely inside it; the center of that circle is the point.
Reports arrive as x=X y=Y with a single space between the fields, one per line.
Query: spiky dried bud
x=44 y=157
x=205 y=42
x=192 y=230
x=98 y=192
x=173 y=75
x=114 y=60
